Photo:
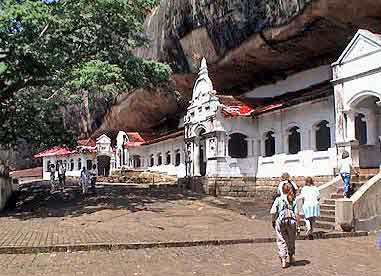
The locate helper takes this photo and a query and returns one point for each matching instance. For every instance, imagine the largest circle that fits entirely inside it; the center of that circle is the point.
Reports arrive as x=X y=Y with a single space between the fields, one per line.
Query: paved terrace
x=123 y=215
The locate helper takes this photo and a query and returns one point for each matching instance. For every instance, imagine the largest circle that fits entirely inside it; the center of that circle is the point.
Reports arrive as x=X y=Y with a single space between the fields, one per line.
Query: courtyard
x=344 y=257
x=164 y=223
x=124 y=214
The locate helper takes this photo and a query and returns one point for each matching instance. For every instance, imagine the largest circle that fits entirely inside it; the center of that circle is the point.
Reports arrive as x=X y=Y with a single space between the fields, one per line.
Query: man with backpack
x=284 y=221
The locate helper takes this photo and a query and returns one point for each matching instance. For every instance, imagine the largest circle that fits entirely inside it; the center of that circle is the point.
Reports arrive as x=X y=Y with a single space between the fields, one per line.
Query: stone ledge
x=166 y=244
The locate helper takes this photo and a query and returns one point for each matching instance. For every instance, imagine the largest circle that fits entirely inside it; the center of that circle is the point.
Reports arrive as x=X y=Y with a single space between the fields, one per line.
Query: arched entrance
x=200 y=159
x=366 y=118
x=104 y=162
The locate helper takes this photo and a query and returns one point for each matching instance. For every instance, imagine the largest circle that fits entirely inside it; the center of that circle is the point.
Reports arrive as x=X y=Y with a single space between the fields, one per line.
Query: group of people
x=292 y=205
x=87 y=177
x=61 y=169
x=286 y=214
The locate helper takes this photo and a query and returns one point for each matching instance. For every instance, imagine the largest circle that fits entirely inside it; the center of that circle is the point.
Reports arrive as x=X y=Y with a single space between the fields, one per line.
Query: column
x=351 y=130
x=196 y=157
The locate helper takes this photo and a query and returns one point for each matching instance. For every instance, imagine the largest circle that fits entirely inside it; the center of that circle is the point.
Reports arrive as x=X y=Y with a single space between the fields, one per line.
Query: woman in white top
x=310 y=196
x=345 y=167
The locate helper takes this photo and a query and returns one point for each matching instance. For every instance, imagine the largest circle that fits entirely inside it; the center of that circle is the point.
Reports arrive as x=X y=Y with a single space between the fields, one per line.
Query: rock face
x=142 y=109
x=247 y=43
x=259 y=40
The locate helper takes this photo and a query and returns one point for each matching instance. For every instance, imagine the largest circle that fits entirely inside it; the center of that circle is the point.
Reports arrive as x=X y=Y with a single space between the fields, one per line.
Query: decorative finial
x=203 y=67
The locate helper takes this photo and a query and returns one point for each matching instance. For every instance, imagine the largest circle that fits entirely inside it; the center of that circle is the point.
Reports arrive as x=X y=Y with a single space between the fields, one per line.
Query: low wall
x=5 y=185
x=363 y=210
x=263 y=188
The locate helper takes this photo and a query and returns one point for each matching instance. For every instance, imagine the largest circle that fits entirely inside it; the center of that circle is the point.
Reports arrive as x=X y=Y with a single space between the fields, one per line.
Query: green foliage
x=36 y=120
x=71 y=48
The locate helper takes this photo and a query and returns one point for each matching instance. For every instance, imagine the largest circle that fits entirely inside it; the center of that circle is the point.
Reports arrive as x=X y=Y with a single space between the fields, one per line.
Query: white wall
x=292 y=83
x=171 y=145
x=76 y=172
x=307 y=162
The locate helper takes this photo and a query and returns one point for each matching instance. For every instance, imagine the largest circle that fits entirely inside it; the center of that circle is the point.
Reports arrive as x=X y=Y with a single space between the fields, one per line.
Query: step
x=325 y=225
x=329 y=201
x=336 y=196
x=326 y=218
x=327 y=207
x=327 y=212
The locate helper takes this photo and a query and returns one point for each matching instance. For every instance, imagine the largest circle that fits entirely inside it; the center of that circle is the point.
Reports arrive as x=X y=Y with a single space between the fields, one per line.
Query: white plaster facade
x=204 y=116
x=356 y=80
x=217 y=145
x=166 y=156
x=74 y=163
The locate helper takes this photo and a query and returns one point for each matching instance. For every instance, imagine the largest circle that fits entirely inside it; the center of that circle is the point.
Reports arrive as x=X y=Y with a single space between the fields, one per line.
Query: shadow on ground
x=36 y=200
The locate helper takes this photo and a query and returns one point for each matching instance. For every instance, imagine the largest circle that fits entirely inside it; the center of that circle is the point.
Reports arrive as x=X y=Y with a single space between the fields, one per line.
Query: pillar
x=196 y=158
x=351 y=129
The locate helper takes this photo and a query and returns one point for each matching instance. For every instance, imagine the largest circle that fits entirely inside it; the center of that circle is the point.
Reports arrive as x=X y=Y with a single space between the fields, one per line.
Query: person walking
x=310 y=197
x=285 y=178
x=285 y=221
x=345 y=167
x=93 y=177
x=52 y=171
x=62 y=175
x=84 y=180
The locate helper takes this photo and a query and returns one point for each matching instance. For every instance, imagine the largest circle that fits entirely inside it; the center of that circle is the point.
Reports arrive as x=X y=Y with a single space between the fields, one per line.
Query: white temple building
x=298 y=125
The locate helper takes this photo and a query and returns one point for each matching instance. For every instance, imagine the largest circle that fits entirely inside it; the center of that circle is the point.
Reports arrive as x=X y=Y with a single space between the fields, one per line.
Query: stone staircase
x=326 y=221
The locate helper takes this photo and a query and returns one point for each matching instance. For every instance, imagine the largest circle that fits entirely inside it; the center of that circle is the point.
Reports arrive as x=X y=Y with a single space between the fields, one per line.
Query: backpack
x=288 y=211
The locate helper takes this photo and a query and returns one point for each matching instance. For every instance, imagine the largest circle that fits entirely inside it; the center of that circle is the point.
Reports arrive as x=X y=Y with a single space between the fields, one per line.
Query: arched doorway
x=367 y=129
x=200 y=153
x=104 y=162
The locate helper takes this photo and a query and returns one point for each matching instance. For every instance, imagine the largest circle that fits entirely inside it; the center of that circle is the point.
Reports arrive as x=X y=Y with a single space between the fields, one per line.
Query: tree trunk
x=86 y=116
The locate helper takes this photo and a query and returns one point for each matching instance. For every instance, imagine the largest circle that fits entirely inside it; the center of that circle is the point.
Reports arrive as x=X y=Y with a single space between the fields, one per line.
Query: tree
x=75 y=49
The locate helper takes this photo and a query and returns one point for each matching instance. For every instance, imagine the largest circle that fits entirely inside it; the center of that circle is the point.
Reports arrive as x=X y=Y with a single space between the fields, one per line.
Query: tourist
x=345 y=168
x=310 y=196
x=93 y=179
x=84 y=180
x=61 y=174
x=285 y=178
x=52 y=170
x=284 y=221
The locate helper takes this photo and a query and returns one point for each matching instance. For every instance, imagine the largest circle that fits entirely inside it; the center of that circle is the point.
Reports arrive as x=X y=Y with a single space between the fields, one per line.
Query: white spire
x=203 y=67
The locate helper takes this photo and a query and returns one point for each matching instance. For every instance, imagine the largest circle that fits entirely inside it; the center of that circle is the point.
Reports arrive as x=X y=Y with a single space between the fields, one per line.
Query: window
x=177 y=158
x=269 y=144
x=89 y=164
x=48 y=166
x=123 y=157
x=361 y=129
x=152 y=161
x=294 y=140
x=168 y=158
x=120 y=157
x=323 y=136
x=72 y=164
x=237 y=145
x=159 y=159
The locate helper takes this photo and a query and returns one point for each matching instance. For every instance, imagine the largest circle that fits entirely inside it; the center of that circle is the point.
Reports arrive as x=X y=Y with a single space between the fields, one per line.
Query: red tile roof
x=33 y=172
x=135 y=137
x=135 y=140
x=165 y=136
x=58 y=150
x=234 y=107
x=86 y=142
